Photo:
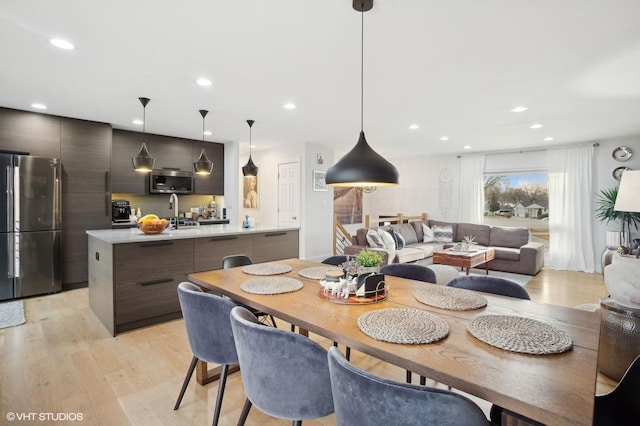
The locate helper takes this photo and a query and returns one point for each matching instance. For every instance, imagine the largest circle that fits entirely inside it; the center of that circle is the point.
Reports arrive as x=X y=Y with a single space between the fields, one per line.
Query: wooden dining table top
x=553 y=389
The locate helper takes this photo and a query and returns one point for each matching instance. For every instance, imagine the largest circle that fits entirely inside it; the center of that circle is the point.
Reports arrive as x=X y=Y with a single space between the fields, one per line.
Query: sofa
x=514 y=252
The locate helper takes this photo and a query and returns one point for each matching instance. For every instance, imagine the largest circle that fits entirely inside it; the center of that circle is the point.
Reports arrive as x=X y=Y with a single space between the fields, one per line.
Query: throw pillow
x=387 y=239
x=399 y=239
x=374 y=240
x=442 y=234
x=428 y=234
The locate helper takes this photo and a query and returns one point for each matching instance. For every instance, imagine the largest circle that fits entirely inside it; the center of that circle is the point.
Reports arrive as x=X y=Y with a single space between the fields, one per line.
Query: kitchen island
x=133 y=277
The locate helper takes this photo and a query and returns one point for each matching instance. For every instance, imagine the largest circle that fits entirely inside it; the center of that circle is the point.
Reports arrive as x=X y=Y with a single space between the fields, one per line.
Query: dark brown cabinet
x=37 y=134
x=208 y=252
x=274 y=245
x=171 y=153
x=212 y=184
x=124 y=179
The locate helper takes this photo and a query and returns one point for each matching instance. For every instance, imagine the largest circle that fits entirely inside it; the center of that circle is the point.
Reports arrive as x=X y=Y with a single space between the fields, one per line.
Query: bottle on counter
x=139 y=213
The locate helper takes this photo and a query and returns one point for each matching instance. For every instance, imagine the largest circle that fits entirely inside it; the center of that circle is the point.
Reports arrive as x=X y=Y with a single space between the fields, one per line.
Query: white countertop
x=134 y=235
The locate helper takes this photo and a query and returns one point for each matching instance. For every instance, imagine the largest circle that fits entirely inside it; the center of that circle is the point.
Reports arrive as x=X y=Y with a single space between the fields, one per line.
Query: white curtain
x=570 y=209
x=471 y=189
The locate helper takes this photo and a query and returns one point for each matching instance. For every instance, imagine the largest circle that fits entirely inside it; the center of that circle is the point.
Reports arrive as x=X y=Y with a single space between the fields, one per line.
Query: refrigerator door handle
x=13 y=264
x=10 y=198
x=16 y=196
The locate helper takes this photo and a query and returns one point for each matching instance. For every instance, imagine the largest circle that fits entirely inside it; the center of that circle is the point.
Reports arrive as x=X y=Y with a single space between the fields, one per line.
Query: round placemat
x=403 y=325
x=316 y=272
x=519 y=334
x=271 y=268
x=271 y=285
x=455 y=299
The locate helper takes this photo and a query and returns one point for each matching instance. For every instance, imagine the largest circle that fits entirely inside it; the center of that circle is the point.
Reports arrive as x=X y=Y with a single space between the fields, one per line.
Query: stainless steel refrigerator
x=30 y=226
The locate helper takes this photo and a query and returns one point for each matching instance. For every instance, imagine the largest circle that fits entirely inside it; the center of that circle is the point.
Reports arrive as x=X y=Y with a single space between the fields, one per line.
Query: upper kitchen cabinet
x=124 y=179
x=212 y=184
x=85 y=152
x=37 y=134
x=171 y=153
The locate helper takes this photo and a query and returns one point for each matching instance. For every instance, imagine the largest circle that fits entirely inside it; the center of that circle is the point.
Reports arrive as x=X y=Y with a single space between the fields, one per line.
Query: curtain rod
x=520 y=151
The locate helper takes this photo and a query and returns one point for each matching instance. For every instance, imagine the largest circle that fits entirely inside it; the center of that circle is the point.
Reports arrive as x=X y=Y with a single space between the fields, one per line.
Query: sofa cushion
x=374 y=239
x=399 y=240
x=427 y=234
x=409 y=254
x=480 y=233
x=417 y=226
x=387 y=239
x=407 y=232
x=442 y=234
x=454 y=226
x=427 y=248
x=360 y=239
x=508 y=237
x=505 y=253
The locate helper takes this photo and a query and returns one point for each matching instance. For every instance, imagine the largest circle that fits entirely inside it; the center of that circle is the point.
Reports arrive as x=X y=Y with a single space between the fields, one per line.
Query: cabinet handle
x=155 y=282
x=224 y=238
x=275 y=234
x=156 y=244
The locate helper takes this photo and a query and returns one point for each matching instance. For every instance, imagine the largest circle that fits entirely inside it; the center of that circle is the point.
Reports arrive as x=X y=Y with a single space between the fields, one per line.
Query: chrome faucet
x=173 y=203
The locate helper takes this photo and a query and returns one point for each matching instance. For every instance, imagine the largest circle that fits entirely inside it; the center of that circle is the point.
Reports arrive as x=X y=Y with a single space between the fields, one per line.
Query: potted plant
x=369 y=261
x=605 y=213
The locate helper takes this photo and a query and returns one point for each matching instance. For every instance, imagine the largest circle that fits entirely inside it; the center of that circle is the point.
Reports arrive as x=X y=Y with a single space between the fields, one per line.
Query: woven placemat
x=271 y=285
x=317 y=272
x=519 y=334
x=271 y=268
x=455 y=299
x=403 y=325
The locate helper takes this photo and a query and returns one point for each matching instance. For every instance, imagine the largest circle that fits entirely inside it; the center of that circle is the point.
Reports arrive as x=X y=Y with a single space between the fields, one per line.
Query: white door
x=289 y=195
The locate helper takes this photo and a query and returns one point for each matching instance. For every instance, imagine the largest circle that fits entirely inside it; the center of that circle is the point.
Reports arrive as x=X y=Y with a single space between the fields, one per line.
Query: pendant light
x=203 y=166
x=362 y=166
x=143 y=162
x=250 y=169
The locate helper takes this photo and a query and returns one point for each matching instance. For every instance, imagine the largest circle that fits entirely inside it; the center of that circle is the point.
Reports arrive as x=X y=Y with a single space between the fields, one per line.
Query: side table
x=619 y=338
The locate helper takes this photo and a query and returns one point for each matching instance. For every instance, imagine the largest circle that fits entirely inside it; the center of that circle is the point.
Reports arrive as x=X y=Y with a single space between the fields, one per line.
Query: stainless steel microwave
x=170 y=181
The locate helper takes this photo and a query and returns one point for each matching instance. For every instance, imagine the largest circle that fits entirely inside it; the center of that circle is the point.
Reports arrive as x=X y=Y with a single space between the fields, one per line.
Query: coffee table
x=465 y=259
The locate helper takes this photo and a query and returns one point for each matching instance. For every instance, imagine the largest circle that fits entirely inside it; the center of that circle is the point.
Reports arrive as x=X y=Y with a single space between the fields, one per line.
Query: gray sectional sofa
x=513 y=250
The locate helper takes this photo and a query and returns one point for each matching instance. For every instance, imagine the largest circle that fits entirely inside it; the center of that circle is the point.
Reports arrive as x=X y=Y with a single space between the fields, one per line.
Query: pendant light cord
x=362 y=70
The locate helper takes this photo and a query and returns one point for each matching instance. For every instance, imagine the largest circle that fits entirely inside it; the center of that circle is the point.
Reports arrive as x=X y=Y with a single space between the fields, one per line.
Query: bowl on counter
x=155 y=228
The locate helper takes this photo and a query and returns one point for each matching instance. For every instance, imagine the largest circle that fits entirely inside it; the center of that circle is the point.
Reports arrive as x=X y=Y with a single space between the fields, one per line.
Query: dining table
x=553 y=389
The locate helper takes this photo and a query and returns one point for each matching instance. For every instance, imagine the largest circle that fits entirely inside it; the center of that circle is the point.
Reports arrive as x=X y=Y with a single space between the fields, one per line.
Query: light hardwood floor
x=64 y=361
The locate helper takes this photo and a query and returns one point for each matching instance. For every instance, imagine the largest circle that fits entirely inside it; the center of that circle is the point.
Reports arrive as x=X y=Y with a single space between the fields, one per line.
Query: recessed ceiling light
x=207 y=133
x=536 y=126
x=414 y=127
x=252 y=146
x=138 y=122
x=466 y=147
x=37 y=105
x=548 y=139
x=62 y=44
x=520 y=108
x=444 y=138
x=289 y=105
x=203 y=82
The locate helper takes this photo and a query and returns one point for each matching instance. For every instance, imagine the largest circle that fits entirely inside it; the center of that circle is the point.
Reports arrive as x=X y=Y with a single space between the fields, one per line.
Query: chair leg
x=192 y=367
x=423 y=380
x=222 y=381
x=245 y=412
x=348 y=354
x=408 y=376
x=273 y=321
x=297 y=423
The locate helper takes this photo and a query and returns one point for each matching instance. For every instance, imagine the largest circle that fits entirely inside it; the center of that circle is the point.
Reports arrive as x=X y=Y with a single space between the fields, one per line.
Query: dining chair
x=490 y=284
x=621 y=404
x=411 y=271
x=336 y=260
x=208 y=343
x=284 y=374
x=235 y=260
x=361 y=398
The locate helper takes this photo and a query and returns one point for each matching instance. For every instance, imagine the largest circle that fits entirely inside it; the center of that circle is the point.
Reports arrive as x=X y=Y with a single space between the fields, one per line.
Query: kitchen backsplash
x=159 y=204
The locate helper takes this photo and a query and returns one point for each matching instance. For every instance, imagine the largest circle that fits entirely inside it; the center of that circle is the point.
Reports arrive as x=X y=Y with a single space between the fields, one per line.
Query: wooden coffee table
x=465 y=259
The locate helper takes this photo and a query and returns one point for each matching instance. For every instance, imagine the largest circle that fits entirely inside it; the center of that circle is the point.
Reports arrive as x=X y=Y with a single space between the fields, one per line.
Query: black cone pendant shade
x=202 y=166
x=143 y=162
x=362 y=166
x=250 y=169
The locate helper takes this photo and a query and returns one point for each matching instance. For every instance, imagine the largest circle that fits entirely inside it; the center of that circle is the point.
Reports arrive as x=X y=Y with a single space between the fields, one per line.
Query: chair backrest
x=360 y=398
x=336 y=260
x=621 y=404
x=284 y=374
x=490 y=284
x=234 y=260
x=206 y=317
x=409 y=270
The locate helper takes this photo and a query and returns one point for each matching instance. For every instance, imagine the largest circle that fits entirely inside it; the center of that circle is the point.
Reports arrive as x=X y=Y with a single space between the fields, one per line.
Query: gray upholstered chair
x=336 y=260
x=206 y=317
x=362 y=399
x=490 y=284
x=235 y=260
x=284 y=374
x=411 y=271
x=621 y=404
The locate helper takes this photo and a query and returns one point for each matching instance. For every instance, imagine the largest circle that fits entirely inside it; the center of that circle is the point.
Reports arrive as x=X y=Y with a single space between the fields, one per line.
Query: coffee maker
x=120 y=211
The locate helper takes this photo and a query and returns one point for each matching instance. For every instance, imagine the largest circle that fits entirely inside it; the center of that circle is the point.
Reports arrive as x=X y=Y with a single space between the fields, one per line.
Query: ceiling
x=453 y=67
